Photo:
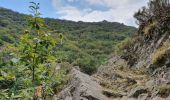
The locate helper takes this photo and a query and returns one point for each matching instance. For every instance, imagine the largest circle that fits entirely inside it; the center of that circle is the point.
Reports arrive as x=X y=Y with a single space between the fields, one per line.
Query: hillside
x=87 y=45
x=66 y=60
x=140 y=72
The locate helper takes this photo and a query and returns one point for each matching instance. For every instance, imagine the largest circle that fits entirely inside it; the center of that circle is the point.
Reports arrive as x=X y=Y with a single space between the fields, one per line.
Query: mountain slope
x=142 y=70
x=87 y=45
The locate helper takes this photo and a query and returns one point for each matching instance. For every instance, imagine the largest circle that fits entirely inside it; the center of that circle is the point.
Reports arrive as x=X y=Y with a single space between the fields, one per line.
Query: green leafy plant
x=32 y=63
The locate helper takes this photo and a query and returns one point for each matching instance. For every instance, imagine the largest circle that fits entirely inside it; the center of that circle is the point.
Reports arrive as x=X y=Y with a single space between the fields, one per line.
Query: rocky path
x=114 y=81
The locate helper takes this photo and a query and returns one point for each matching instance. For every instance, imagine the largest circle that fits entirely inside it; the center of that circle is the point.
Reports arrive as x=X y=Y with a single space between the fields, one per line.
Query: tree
x=34 y=54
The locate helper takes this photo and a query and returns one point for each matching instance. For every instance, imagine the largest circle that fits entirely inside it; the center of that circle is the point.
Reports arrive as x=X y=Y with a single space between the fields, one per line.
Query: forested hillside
x=84 y=44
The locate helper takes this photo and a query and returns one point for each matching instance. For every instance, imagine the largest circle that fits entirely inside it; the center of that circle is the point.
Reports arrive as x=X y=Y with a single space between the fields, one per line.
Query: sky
x=82 y=10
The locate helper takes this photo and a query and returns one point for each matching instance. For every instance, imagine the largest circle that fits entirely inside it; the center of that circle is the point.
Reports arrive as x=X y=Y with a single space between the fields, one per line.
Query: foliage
x=92 y=41
x=80 y=40
x=124 y=45
x=28 y=51
x=157 y=10
x=30 y=63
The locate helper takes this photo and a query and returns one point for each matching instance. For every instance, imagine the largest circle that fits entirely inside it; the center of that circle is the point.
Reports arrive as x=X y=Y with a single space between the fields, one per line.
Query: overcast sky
x=83 y=10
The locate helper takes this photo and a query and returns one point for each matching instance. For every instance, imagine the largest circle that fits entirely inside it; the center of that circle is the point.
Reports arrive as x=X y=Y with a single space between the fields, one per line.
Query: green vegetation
x=88 y=44
x=37 y=53
x=124 y=44
x=84 y=44
x=28 y=68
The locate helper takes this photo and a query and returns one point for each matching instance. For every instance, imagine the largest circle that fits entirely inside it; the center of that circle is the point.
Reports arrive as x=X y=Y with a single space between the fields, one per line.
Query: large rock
x=81 y=87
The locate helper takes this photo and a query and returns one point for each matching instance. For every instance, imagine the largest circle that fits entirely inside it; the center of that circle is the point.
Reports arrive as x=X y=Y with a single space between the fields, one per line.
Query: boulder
x=82 y=87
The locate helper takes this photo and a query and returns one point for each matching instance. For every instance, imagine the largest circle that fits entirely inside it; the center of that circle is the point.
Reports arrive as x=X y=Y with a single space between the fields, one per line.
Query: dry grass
x=127 y=73
x=129 y=78
x=164 y=91
x=161 y=52
x=149 y=27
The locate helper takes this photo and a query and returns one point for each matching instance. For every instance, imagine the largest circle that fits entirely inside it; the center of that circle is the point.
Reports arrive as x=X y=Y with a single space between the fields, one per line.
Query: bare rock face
x=81 y=87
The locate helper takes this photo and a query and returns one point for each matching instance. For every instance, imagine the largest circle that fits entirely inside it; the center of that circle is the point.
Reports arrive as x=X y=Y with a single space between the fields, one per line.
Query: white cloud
x=120 y=11
x=72 y=0
x=113 y=3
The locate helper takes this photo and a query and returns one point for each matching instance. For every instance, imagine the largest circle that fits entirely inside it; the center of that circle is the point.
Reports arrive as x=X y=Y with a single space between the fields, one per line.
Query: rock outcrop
x=141 y=72
x=119 y=80
x=82 y=87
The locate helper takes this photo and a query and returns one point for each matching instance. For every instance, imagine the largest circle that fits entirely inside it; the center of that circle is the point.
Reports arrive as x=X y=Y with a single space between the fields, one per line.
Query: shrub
x=32 y=62
x=124 y=44
x=4 y=23
x=1 y=43
x=6 y=38
x=87 y=65
x=156 y=10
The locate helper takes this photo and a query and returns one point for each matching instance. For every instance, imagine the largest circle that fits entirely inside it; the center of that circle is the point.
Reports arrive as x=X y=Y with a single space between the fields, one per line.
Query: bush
x=156 y=10
x=87 y=65
x=6 y=38
x=1 y=43
x=124 y=44
x=31 y=66
x=4 y=23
